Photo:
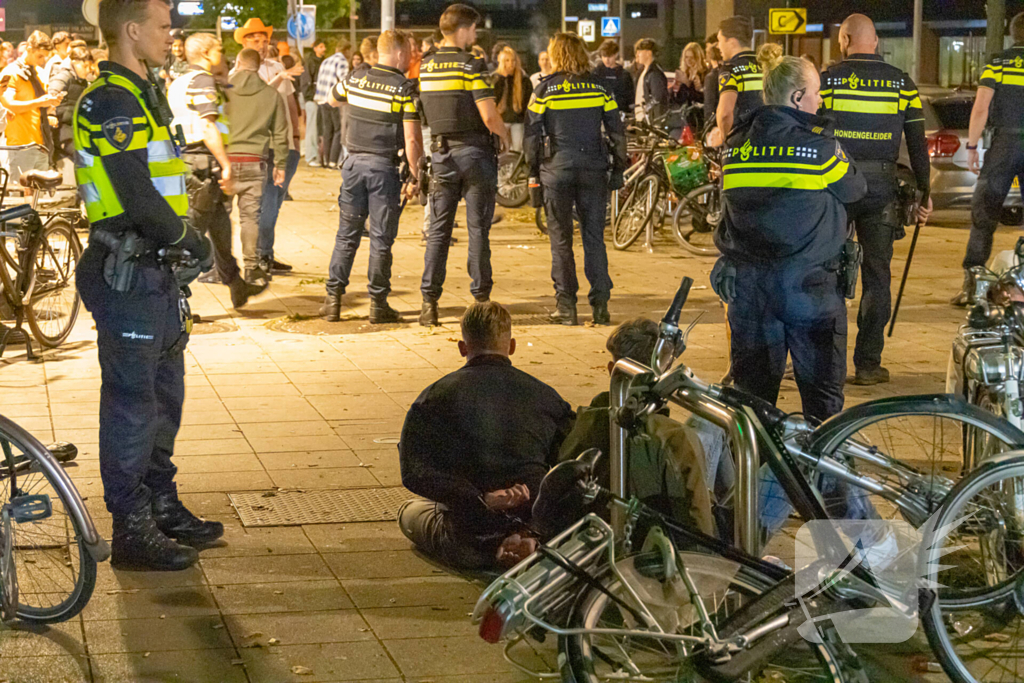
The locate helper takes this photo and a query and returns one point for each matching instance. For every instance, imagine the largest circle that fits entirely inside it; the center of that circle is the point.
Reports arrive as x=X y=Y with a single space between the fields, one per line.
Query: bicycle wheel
x=975 y=626
x=910 y=451
x=637 y=212
x=53 y=570
x=694 y=222
x=725 y=589
x=513 y=190
x=53 y=307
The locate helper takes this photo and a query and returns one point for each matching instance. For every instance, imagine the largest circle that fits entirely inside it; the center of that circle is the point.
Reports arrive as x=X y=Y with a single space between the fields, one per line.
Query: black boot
x=565 y=312
x=139 y=545
x=428 y=314
x=174 y=519
x=601 y=314
x=381 y=312
x=331 y=310
x=242 y=290
x=965 y=297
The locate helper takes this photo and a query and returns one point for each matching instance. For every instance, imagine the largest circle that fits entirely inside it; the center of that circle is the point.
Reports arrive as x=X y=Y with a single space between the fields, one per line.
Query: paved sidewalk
x=277 y=400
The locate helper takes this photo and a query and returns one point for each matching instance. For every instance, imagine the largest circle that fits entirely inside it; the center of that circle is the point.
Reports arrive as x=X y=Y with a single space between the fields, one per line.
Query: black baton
x=906 y=269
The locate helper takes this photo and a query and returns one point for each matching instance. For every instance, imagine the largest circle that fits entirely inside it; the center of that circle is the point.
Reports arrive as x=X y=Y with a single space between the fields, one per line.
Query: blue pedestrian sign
x=610 y=27
x=301 y=26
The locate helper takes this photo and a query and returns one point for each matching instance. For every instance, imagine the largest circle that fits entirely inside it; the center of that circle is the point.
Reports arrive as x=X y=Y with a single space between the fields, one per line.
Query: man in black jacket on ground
x=477 y=444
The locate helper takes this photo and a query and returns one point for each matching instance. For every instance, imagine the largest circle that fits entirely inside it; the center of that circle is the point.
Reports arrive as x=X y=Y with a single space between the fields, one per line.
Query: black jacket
x=484 y=427
x=656 y=93
x=619 y=83
x=786 y=182
x=504 y=86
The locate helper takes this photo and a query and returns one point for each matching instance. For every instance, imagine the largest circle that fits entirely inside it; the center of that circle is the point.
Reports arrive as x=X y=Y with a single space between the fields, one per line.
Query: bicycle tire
x=84 y=581
x=60 y=255
x=689 y=207
x=579 y=654
x=516 y=180
x=633 y=218
x=937 y=602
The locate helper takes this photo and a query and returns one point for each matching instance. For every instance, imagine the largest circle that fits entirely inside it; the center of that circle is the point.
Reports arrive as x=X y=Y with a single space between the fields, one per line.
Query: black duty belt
x=876 y=167
x=473 y=139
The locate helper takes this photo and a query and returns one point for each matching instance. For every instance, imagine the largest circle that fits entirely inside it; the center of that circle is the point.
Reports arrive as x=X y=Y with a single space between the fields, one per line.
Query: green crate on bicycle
x=686 y=169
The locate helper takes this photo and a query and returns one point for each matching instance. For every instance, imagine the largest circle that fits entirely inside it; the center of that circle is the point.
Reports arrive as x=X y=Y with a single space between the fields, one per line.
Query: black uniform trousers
x=796 y=309
x=370 y=186
x=329 y=122
x=587 y=190
x=142 y=364
x=209 y=211
x=1004 y=160
x=876 y=220
x=467 y=172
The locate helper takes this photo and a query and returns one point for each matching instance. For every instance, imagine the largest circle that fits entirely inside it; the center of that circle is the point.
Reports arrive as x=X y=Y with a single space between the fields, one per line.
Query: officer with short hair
x=569 y=113
x=999 y=104
x=132 y=180
x=740 y=76
x=458 y=104
x=874 y=105
x=197 y=103
x=383 y=122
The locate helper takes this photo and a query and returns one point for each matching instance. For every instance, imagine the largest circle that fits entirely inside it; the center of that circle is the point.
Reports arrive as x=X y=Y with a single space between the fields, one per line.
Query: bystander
x=332 y=70
x=24 y=97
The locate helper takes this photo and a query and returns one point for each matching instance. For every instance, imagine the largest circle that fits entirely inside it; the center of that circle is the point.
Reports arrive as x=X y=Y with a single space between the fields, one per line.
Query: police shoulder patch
x=118 y=132
x=840 y=153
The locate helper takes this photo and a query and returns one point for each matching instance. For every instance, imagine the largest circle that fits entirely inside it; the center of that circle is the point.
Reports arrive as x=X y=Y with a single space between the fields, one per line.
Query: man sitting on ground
x=668 y=461
x=477 y=444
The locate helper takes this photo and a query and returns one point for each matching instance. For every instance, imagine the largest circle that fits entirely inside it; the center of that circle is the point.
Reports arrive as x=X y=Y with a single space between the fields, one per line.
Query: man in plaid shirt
x=333 y=69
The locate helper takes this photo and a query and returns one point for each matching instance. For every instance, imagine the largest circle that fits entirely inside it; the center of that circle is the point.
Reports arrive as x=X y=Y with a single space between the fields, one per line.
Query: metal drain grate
x=291 y=508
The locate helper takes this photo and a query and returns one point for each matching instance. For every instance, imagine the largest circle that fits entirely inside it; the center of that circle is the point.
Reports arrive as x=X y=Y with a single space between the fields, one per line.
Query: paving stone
x=294 y=596
x=379 y=565
x=418 y=622
x=424 y=657
x=278 y=568
x=307 y=628
x=108 y=579
x=60 y=669
x=438 y=590
x=36 y=641
x=280 y=444
x=151 y=635
x=149 y=603
x=286 y=460
x=328 y=662
x=194 y=666
x=324 y=478
x=239 y=541
x=356 y=537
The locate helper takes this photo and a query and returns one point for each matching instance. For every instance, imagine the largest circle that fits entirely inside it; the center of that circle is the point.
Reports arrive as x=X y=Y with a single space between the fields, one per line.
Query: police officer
x=383 y=122
x=197 y=103
x=786 y=181
x=873 y=105
x=132 y=180
x=1000 y=105
x=740 y=76
x=458 y=105
x=565 y=148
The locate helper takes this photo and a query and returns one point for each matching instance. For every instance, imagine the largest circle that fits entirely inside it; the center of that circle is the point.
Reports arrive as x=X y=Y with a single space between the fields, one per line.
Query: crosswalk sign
x=609 y=27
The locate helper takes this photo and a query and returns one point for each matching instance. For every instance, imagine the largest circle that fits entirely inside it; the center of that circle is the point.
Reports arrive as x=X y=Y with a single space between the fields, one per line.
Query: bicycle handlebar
x=672 y=314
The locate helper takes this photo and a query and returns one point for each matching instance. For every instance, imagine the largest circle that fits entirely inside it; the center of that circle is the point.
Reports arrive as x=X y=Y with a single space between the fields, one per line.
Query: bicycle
x=513 y=180
x=38 y=259
x=547 y=589
x=49 y=545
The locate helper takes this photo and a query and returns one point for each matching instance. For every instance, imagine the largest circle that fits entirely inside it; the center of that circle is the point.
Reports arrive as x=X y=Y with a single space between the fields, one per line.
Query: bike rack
x=738 y=426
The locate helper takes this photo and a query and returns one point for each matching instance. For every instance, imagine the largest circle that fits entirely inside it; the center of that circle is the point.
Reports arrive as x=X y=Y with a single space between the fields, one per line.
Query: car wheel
x=1012 y=215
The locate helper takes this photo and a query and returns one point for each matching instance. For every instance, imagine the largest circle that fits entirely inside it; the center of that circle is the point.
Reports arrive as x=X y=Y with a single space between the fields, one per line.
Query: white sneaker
x=313 y=164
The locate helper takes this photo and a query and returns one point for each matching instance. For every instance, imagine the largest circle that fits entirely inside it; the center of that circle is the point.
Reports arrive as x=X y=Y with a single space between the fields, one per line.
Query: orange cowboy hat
x=253 y=25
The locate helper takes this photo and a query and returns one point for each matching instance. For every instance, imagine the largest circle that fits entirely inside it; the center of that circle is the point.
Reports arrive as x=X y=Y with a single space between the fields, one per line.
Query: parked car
x=947 y=118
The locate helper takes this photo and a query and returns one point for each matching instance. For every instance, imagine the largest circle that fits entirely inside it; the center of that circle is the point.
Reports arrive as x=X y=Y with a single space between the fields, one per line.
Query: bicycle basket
x=686 y=169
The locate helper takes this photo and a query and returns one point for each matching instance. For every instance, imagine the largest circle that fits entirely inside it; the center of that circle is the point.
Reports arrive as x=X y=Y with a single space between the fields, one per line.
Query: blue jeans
x=370 y=186
x=273 y=197
x=463 y=172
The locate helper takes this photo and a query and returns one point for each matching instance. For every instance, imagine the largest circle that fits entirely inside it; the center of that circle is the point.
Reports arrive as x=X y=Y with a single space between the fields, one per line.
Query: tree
x=274 y=12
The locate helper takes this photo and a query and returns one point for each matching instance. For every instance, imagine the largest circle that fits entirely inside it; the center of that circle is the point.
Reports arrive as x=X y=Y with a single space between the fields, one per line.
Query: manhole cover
x=318 y=326
x=213 y=327
x=291 y=508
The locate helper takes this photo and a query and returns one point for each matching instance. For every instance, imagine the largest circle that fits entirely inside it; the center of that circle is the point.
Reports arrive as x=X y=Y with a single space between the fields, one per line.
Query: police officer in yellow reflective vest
x=458 y=105
x=999 y=105
x=874 y=105
x=786 y=182
x=740 y=76
x=198 y=103
x=132 y=180
x=566 y=149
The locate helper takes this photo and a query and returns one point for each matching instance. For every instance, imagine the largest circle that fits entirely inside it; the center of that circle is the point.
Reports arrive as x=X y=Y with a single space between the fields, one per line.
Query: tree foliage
x=272 y=12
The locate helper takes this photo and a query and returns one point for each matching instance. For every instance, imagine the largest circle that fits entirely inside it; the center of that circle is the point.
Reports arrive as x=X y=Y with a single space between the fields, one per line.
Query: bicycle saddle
x=41 y=180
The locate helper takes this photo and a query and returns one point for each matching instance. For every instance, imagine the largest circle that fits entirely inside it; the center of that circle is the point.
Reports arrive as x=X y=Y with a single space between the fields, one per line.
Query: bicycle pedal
x=30 y=508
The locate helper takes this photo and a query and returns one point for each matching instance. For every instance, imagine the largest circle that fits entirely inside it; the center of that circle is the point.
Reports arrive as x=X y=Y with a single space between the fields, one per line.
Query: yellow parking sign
x=784 y=20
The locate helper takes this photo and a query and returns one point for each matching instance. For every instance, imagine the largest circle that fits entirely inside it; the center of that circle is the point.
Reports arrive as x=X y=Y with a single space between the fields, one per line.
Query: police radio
x=160 y=108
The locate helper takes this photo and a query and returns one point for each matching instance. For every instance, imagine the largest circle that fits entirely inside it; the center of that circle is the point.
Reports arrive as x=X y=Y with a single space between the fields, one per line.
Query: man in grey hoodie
x=259 y=122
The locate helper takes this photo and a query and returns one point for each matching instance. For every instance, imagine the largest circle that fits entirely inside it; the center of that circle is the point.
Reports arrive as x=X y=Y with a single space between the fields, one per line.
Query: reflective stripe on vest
x=188 y=119
x=167 y=171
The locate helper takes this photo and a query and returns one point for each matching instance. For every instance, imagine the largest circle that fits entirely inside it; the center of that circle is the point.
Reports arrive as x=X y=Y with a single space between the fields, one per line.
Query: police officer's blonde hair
x=198 y=45
x=568 y=53
x=114 y=14
x=783 y=75
x=392 y=40
x=486 y=326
